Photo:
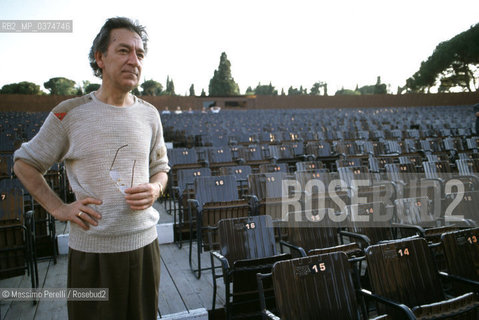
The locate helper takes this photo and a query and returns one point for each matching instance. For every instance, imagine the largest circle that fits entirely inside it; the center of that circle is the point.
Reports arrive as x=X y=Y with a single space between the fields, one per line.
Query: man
x=115 y=157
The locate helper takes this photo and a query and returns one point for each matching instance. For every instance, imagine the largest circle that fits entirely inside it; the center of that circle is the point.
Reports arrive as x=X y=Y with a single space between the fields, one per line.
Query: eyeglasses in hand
x=115 y=175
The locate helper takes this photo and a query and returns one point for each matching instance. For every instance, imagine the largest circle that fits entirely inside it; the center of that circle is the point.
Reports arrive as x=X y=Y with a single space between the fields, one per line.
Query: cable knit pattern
x=85 y=133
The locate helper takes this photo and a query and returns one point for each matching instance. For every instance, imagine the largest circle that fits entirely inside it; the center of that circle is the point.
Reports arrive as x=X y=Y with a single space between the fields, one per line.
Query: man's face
x=121 y=65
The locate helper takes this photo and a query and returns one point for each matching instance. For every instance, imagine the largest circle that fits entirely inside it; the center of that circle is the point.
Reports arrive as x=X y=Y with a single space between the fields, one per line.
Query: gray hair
x=102 y=39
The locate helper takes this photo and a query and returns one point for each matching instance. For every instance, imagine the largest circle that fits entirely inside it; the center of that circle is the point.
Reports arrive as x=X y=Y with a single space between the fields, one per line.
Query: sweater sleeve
x=48 y=146
x=158 y=155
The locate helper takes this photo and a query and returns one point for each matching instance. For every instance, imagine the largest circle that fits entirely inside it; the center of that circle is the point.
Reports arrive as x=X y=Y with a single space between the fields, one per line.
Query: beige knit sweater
x=86 y=133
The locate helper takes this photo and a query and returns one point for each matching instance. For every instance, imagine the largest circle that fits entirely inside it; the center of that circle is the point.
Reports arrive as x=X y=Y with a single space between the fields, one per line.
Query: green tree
x=23 y=87
x=316 y=89
x=135 y=91
x=454 y=64
x=378 y=88
x=170 y=87
x=222 y=83
x=192 y=90
x=249 y=91
x=203 y=93
x=61 y=86
x=297 y=92
x=90 y=87
x=366 y=90
x=348 y=92
x=266 y=90
x=151 y=88
x=293 y=91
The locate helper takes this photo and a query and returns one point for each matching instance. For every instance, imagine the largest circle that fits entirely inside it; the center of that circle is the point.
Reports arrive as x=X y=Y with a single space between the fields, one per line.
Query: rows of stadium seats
x=331 y=226
x=16 y=127
x=269 y=126
x=303 y=203
x=27 y=232
x=338 y=190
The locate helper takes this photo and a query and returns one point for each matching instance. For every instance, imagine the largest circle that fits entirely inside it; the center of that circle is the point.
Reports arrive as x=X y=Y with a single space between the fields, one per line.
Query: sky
x=288 y=43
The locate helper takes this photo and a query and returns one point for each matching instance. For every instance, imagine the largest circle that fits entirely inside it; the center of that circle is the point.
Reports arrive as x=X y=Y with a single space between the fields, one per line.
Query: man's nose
x=133 y=59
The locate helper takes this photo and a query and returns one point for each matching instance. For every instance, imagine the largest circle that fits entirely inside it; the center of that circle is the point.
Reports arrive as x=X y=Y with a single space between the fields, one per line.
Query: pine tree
x=170 y=87
x=222 y=83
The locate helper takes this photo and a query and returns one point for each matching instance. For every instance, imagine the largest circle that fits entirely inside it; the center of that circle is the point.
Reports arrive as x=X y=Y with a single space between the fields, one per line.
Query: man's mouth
x=131 y=72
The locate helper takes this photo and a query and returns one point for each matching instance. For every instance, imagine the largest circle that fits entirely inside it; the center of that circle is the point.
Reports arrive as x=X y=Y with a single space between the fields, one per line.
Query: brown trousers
x=133 y=280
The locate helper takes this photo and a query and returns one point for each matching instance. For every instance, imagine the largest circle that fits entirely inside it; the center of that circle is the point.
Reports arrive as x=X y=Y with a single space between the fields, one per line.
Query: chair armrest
x=419 y=229
x=251 y=197
x=29 y=216
x=434 y=245
x=253 y=202
x=460 y=279
x=357 y=259
x=302 y=157
x=365 y=239
x=381 y=182
x=193 y=202
x=405 y=309
x=471 y=223
x=269 y=315
x=30 y=220
x=240 y=160
x=221 y=258
x=461 y=222
x=295 y=248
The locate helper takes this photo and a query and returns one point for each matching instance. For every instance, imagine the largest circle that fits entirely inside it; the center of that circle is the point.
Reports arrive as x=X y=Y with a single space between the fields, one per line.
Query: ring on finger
x=79 y=214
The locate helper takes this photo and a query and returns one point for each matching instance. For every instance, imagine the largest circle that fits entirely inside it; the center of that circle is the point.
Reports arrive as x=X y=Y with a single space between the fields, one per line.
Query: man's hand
x=143 y=196
x=79 y=212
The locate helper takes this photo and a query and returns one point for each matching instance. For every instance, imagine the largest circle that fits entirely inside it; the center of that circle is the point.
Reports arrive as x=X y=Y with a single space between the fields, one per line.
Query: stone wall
x=14 y=102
